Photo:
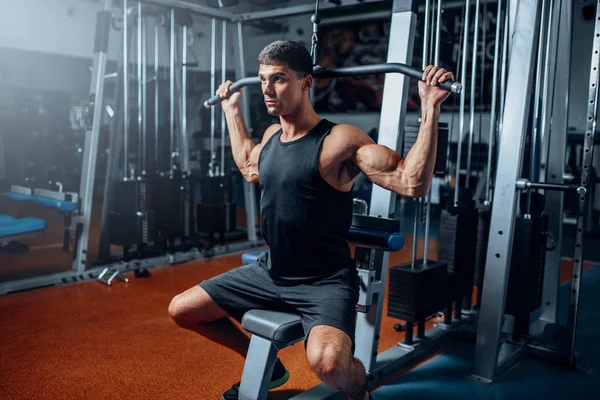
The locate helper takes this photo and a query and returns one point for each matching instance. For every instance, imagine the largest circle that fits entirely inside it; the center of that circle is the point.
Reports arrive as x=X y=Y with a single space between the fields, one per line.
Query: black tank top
x=304 y=218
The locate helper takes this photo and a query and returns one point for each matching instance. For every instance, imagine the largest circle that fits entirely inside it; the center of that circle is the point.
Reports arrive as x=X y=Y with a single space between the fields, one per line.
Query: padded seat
x=17 y=227
x=60 y=205
x=387 y=241
x=277 y=326
x=17 y=196
x=5 y=219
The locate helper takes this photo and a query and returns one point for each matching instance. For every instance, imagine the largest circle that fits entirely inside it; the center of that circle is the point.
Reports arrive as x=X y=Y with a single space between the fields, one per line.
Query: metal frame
x=88 y=169
x=554 y=148
x=196 y=8
x=490 y=359
x=584 y=195
x=301 y=9
x=249 y=188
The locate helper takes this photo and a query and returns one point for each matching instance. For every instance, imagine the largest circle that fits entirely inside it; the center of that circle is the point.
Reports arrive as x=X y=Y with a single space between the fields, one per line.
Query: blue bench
x=60 y=205
x=12 y=229
x=274 y=330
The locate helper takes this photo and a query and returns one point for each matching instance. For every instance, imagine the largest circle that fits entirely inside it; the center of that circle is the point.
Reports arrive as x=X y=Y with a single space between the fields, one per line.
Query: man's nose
x=268 y=88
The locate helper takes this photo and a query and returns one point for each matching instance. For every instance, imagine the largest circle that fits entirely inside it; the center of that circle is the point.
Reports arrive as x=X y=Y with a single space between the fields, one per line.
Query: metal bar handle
x=320 y=72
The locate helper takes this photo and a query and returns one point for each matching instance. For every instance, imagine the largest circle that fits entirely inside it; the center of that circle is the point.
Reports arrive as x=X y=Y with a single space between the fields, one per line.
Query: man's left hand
x=428 y=90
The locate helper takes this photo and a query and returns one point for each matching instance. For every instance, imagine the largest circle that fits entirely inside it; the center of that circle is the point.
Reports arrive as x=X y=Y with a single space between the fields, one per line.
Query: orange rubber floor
x=90 y=341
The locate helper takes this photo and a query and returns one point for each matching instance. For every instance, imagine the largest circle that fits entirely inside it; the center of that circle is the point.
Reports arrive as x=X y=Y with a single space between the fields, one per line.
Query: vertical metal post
x=534 y=150
x=213 y=89
x=391 y=127
x=504 y=206
x=504 y=69
x=512 y=18
x=554 y=124
x=461 y=123
x=249 y=188
x=436 y=61
x=417 y=222
x=125 y=89
x=492 y=133
x=438 y=22
x=140 y=105
x=436 y=58
x=432 y=35
x=473 y=87
x=395 y=96
x=144 y=94
x=156 y=95
x=172 y=98
x=223 y=78
x=585 y=191
x=184 y=150
x=112 y=163
x=425 y=56
x=548 y=87
x=93 y=123
x=418 y=203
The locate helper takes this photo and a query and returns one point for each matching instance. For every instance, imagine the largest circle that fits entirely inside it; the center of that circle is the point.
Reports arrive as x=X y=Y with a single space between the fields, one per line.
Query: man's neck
x=299 y=122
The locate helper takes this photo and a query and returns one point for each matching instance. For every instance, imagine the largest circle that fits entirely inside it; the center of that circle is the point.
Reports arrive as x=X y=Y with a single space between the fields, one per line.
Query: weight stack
x=526 y=276
x=132 y=221
x=458 y=241
x=173 y=199
x=416 y=293
x=484 y=213
x=215 y=212
x=411 y=132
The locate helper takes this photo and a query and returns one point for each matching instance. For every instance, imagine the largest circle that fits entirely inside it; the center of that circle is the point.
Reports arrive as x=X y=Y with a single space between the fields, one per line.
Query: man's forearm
x=241 y=144
x=420 y=160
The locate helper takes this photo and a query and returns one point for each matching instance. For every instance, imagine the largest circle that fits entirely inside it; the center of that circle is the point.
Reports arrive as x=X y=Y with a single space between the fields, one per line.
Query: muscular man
x=306 y=167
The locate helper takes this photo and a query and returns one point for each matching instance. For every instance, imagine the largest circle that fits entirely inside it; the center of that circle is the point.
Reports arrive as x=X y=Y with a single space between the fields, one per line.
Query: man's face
x=281 y=88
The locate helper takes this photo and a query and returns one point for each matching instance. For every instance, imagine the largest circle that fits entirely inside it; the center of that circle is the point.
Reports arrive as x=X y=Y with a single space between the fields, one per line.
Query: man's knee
x=328 y=352
x=176 y=309
x=326 y=363
x=194 y=306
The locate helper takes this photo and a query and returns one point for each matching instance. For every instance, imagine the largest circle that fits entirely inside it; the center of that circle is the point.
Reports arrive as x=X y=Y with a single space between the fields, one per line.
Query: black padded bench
x=275 y=330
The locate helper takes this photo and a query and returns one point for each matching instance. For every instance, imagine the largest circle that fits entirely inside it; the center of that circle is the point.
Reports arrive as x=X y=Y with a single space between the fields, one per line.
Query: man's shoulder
x=346 y=131
x=270 y=131
x=349 y=135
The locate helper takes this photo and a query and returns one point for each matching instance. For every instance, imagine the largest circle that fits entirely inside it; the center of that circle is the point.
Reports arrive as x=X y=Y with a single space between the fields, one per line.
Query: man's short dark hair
x=295 y=55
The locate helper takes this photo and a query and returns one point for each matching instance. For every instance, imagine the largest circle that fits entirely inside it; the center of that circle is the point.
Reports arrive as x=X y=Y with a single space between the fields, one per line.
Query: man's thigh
x=245 y=288
x=330 y=302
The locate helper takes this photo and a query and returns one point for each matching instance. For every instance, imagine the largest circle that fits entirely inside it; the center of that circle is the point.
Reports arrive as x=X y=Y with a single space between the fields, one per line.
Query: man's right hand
x=230 y=100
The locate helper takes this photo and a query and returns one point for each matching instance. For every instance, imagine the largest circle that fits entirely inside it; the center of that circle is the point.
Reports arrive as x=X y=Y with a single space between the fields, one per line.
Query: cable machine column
x=487 y=361
x=249 y=188
x=391 y=130
x=92 y=134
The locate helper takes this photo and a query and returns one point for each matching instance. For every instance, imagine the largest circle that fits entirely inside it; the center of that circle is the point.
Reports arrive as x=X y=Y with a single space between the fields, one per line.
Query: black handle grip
x=320 y=72
x=236 y=86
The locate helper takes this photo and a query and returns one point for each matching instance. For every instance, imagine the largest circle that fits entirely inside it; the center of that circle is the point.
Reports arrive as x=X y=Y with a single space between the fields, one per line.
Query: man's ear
x=307 y=82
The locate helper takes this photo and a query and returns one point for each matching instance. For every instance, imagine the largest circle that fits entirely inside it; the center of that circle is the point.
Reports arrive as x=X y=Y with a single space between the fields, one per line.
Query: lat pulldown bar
x=320 y=72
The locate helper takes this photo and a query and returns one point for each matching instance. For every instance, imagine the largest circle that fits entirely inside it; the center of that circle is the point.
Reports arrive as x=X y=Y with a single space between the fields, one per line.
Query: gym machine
x=541 y=332
x=372 y=261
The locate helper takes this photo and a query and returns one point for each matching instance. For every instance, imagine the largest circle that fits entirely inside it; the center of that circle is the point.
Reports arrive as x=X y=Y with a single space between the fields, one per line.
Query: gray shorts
x=330 y=301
